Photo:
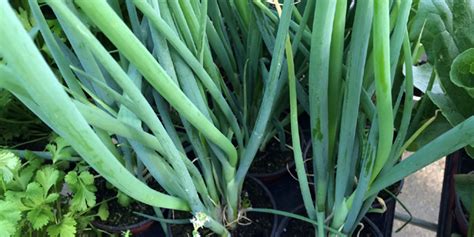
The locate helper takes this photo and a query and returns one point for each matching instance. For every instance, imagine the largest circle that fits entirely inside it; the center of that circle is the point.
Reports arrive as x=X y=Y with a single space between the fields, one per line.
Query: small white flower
x=199 y=220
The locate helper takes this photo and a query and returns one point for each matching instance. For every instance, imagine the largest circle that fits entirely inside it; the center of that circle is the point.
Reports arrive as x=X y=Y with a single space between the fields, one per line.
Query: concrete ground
x=421 y=194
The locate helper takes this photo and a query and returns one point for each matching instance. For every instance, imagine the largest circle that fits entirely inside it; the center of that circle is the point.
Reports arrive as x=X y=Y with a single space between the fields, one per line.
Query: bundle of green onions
x=358 y=50
x=140 y=80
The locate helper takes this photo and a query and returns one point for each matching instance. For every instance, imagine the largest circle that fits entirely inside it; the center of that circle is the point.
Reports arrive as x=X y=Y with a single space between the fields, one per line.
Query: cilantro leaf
x=123 y=199
x=67 y=228
x=8 y=164
x=40 y=216
x=103 y=211
x=59 y=149
x=34 y=195
x=51 y=198
x=83 y=189
x=9 y=217
x=47 y=177
x=40 y=213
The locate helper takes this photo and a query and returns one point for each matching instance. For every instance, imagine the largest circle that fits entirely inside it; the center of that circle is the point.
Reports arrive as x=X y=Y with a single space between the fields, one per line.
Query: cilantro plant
x=38 y=198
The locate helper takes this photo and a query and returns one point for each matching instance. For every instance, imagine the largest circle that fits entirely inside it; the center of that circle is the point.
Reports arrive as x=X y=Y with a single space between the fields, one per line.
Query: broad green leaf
x=103 y=211
x=47 y=177
x=67 y=228
x=447 y=32
x=421 y=78
x=8 y=163
x=462 y=71
x=9 y=217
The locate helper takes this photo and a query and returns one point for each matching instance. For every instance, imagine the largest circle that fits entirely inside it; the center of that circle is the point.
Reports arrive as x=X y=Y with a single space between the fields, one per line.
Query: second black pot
x=295 y=228
x=384 y=221
x=258 y=229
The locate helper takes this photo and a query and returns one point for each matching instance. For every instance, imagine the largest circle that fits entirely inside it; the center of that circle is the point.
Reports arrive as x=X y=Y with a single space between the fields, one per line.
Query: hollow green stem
x=381 y=43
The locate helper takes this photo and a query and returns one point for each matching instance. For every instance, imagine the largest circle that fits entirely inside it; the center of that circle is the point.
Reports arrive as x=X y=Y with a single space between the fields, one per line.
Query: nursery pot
x=138 y=228
x=384 y=221
x=462 y=214
x=262 y=224
x=461 y=217
x=452 y=215
x=289 y=227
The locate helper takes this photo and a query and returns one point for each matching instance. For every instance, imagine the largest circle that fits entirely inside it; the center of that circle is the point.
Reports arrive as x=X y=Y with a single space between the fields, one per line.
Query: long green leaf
x=25 y=59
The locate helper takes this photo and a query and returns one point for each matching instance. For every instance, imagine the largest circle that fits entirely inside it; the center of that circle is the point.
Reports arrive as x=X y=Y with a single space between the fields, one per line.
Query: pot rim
x=300 y=209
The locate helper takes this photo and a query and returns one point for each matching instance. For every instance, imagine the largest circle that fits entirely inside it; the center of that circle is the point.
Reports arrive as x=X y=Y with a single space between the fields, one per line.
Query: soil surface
x=260 y=224
x=297 y=228
x=272 y=160
x=120 y=216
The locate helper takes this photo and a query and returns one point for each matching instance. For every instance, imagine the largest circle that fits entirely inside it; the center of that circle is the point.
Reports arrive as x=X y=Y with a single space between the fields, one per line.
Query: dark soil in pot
x=290 y=227
x=261 y=225
x=273 y=163
x=121 y=218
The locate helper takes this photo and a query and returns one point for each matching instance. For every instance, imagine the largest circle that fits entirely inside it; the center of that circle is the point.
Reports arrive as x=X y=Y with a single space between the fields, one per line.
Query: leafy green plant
x=141 y=81
x=208 y=74
x=446 y=35
x=445 y=30
x=33 y=200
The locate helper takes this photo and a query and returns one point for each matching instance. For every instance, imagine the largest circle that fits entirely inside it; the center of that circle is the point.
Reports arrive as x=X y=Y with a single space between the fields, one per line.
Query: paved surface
x=421 y=194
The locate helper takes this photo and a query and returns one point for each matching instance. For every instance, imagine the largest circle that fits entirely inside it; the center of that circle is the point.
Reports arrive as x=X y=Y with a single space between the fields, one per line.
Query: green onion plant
x=161 y=89
x=193 y=89
x=360 y=108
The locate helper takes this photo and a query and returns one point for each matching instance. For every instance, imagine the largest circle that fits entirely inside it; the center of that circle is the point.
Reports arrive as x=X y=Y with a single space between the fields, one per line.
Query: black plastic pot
x=269 y=198
x=384 y=221
x=461 y=219
x=368 y=229
x=461 y=213
x=138 y=228
x=452 y=217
